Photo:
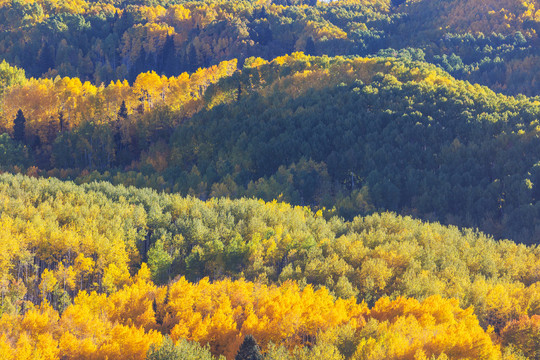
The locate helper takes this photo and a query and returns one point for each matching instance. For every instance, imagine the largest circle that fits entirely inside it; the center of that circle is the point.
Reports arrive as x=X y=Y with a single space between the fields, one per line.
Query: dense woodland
x=347 y=136
x=76 y=279
x=289 y=179
x=492 y=42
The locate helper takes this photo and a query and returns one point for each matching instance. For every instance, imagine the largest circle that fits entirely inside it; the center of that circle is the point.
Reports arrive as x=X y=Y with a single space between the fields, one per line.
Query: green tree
x=122 y=113
x=10 y=75
x=12 y=153
x=183 y=350
x=249 y=350
x=19 y=125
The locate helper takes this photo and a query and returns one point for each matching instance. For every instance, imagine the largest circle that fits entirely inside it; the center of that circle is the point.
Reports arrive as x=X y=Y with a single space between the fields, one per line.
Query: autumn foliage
x=276 y=179
x=125 y=323
x=75 y=279
x=45 y=101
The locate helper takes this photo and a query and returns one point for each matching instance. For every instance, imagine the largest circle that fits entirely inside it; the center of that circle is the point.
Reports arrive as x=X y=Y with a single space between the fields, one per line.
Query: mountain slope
x=396 y=135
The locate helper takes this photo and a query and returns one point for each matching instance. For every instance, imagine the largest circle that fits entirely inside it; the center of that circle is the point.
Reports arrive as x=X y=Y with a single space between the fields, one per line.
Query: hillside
x=62 y=243
x=269 y=179
x=355 y=135
x=490 y=42
x=375 y=134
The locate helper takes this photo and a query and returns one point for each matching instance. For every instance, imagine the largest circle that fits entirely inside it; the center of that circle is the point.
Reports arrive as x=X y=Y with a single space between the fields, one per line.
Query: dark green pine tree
x=45 y=60
x=61 y=121
x=121 y=152
x=239 y=94
x=166 y=59
x=19 y=125
x=139 y=66
x=192 y=63
x=122 y=113
x=122 y=117
x=310 y=46
x=249 y=350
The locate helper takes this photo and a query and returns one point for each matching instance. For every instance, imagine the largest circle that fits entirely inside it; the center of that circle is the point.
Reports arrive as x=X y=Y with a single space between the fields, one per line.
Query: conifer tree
x=166 y=59
x=310 y=46
x=61 y=121
x=45 y=60
x=122 y=113
x=19 y=125
x=249 y=350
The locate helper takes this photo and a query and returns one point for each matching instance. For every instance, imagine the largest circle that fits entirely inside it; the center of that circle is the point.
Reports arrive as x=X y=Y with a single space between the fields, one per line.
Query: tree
x=239 y=94
x=310 y=46
x=122 y=113
x=10 y=75
x=524 y=334
x=183 y=350
x=166 y=60
x=19 y=125
x=61 y=121
x=13 y=153
x=45 y=60
x=167 y=351
x=249 y=350
x=121 y=154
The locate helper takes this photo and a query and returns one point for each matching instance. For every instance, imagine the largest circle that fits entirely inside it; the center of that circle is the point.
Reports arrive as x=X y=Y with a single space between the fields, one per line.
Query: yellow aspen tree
x=48 y=283
x=83 y=266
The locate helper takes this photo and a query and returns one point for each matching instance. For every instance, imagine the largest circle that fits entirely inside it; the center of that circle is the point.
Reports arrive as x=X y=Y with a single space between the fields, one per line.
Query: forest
x=269 y=179
x=377 y=134
x=97 y=270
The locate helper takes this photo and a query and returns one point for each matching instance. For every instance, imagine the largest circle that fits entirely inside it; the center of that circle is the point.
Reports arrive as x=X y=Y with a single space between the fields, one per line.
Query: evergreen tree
x=192 y=62
x=166 y=60
x=52 y=131
x=239 y=94
x=19 y=125
x=61 y=121
x=249 y=350
x=310 y=46
x=122 y=112
x=45 y=60
x=140 y=65
x=121 y=154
